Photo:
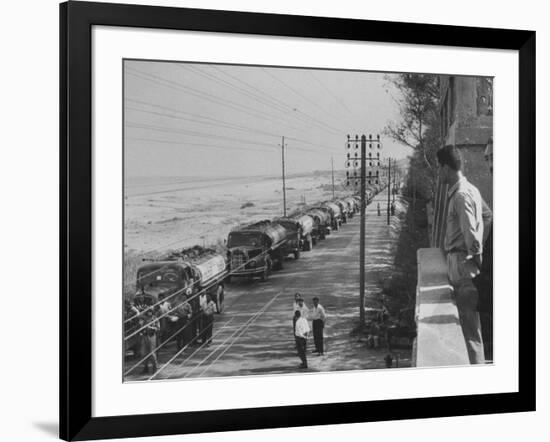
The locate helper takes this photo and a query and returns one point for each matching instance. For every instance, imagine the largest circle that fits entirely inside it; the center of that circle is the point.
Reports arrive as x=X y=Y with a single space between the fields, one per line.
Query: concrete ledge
x=439 y=341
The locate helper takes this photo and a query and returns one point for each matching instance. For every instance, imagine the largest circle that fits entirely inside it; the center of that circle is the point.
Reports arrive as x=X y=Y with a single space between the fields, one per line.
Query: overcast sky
x=188 y=119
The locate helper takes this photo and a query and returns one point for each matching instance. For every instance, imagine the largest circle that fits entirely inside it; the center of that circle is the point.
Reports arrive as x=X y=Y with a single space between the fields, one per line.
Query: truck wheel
x=297 y=254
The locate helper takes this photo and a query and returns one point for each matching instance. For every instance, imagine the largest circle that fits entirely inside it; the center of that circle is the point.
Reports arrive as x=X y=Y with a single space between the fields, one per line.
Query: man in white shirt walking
x=318 y=318
x=301 y=330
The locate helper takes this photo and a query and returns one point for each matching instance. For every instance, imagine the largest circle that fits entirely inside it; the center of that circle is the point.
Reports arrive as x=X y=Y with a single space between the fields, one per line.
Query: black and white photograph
x=281 y=220
x=242 y=221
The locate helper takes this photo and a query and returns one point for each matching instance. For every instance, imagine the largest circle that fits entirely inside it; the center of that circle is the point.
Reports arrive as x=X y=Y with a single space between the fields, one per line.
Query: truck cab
x=255 y=249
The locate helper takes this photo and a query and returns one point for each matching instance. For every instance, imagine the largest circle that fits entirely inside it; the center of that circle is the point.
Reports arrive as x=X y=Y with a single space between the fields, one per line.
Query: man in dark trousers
x=208 y=320
x=301 y=330
x=468 y=219
x=148 y=338
x=184 y=313
x=484 y=281
x=318 y=318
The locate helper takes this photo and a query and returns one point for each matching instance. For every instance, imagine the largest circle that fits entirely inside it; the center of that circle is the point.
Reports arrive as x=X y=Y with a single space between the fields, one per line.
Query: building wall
x=466 y=109
x=467 y=122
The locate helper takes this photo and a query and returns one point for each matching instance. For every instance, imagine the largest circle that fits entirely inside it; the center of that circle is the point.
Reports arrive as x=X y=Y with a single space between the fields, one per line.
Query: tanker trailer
x=255 y=249
x=306 y=225
x=352 y=207
x=186 y=272
x=299 y=234
x=344 y=209
x=321 y=223
x=335 y=214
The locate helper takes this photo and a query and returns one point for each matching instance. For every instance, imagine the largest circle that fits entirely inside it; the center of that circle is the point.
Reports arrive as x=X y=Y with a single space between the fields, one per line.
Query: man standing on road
x=148 y=338
x=464 y=239
x=164 y=309
x=300 y=305
x=184 y=313
x=208 y=320
x=301 y=330
x=200 y=322
x=302 y=308
x=318 y=318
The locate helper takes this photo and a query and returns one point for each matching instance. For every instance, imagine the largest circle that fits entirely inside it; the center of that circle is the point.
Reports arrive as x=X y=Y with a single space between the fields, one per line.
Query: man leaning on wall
x=467 y=217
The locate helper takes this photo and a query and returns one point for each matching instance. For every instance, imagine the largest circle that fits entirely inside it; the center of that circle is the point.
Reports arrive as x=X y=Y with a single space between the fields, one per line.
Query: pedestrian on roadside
x=208 y=320
x=301 y=330
x=300 y=305
x=295 y=307
x=148 y=338
x=184 y=313
x=164 y=321
x=199 y=324
x=318 y=318
x=468 y=220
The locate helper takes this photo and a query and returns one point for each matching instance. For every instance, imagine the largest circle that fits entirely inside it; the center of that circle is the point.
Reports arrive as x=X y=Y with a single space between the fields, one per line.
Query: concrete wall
x=439 y=340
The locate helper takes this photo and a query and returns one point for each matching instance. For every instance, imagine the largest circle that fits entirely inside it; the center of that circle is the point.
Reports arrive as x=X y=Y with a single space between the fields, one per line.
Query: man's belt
x=456 y=250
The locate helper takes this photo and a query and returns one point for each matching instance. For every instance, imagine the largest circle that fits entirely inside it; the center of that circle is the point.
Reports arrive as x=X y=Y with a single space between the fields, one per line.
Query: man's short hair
x=316 y=298
x=297 y=313
x=450 y=156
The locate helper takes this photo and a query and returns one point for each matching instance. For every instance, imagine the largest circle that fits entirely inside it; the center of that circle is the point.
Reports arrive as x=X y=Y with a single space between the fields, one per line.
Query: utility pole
x=389 y=188
x=352 y=161
x=394 y=188
x=284 y=186
x=332 y=166
x=362 y=232
x=413 y=179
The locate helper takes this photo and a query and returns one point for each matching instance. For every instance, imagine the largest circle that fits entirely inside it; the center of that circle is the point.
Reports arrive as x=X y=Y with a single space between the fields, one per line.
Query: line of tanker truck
x=253 y=250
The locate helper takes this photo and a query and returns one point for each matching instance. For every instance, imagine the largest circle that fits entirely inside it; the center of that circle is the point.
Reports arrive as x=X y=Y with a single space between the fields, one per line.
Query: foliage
x=400 y=288
x=418 y=128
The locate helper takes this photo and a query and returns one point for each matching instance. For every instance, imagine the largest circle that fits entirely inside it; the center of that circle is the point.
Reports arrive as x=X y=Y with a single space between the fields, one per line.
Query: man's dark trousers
x=318 y=326
x=301 y=343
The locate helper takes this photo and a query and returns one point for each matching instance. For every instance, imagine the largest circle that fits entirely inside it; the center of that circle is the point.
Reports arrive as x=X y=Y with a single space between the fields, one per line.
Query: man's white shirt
x=317 y=313
x=302 y=327
x=304 y=310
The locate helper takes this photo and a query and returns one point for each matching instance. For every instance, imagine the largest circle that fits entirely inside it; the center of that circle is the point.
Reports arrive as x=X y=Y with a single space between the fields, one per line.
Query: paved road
x=254 y=334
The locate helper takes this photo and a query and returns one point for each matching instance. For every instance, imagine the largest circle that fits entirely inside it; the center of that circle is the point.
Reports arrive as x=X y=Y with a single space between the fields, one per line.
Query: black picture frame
x=76 y=21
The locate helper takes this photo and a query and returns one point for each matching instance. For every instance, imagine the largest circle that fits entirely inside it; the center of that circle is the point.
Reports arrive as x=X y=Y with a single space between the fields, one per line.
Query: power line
x=328 y=91
x=335 y=130
x=217 y=122
x=205 y=96
x=274 y=103
x=195 y=134
x=223 y=147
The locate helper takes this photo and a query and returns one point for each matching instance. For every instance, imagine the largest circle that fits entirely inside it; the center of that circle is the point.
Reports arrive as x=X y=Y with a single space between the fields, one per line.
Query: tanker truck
x=187 y=271
x=255 y=249
x=299 y=234
x=335 y=214
x=344 y=210
x=352 y=206
x=321 y=223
